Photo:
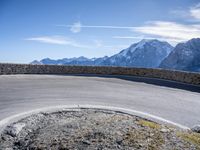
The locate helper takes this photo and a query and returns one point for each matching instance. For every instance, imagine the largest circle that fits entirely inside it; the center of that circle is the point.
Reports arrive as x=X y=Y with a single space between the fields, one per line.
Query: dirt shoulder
x=94 y=129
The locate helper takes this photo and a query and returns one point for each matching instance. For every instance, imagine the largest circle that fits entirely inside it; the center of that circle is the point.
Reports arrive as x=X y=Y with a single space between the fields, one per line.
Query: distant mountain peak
x=194 y=40
x=185 y=56
x=148 y=40
x=36 y=62
x=135 y=46
x=146 y=53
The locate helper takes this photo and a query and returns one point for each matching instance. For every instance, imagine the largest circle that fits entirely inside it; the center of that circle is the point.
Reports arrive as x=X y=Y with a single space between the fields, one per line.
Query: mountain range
x=146 y=54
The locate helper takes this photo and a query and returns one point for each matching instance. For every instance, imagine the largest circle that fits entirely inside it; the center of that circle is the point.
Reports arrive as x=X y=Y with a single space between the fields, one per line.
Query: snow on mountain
x=146 y=53
x=71 y=61
x=185 y=56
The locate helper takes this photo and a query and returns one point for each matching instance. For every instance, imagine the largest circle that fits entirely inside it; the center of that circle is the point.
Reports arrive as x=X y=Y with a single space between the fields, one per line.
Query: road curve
x=21 y=93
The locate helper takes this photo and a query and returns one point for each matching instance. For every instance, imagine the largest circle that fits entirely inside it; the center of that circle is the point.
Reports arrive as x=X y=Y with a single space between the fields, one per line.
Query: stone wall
x=186 y=77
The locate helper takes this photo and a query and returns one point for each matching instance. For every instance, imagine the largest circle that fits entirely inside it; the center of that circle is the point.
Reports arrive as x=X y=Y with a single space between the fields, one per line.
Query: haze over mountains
x=147 y=54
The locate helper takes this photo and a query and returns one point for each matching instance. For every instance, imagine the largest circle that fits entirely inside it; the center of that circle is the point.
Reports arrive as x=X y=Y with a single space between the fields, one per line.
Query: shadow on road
x=154 y=81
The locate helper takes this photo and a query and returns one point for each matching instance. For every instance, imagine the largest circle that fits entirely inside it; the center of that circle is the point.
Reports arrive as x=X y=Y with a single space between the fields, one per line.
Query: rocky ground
x=94 y=129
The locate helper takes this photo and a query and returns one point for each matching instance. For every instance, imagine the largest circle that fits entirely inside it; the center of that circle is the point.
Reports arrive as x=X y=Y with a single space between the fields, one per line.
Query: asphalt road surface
x=176 y=102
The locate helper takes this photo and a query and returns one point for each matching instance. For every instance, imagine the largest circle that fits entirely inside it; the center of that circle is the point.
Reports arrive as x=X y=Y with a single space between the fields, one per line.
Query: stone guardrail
x=179 y=76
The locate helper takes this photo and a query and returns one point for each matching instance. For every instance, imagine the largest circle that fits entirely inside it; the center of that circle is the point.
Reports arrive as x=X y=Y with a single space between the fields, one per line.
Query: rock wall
x=185 y=77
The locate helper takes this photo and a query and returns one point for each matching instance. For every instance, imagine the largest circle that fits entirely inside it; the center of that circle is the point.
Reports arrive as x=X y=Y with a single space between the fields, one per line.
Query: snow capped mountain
x=71 y=61
x=146 y=53
x=185 y=56
x=36 y=62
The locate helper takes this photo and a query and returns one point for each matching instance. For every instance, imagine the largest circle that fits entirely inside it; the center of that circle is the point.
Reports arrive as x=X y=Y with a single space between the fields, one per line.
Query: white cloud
x=191 y=14
x=163 y=30
x=107 y=27
x=51 y=40
x=132 y=37
x=76 y=27
x=195 y=11
x=59 y=40
x=170 y=30
x=170 y=40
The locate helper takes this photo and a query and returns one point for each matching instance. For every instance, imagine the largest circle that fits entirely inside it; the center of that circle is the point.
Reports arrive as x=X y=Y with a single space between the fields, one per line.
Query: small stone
x=164 y=130
x=14 y=129
x=86 y=142
x=3 y=138
x=19 y=143
x=119 y=141
x=196 y=129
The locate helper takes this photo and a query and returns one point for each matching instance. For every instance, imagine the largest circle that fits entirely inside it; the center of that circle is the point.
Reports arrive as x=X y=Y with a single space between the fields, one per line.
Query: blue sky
x=36 y=29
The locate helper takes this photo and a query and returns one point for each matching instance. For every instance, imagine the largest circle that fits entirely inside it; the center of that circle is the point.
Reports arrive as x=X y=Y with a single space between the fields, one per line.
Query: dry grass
x=193 y=138
x=153 y=139
x=149 y=124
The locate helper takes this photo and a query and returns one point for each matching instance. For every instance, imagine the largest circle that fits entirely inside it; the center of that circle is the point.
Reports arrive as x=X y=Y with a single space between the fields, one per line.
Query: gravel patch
x=94 y=129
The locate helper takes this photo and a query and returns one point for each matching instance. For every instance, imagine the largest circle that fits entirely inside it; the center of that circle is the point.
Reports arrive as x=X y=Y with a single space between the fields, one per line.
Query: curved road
x=21 y=93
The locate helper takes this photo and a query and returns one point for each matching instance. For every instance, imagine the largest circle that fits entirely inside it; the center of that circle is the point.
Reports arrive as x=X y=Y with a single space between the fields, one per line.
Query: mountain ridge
x=185 y=56
x=146 y=54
